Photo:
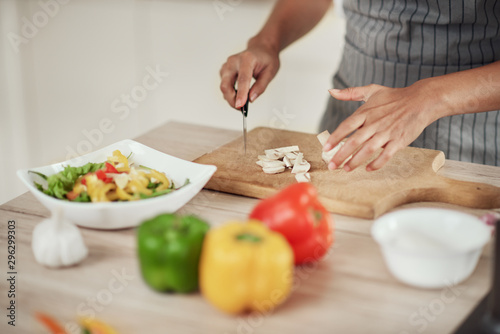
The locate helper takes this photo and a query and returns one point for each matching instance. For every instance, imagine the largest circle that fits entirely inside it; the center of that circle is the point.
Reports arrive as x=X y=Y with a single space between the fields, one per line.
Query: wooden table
x=350 y=291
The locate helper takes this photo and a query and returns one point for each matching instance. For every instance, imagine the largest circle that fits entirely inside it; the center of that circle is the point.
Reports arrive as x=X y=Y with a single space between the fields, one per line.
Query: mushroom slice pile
x=276 y=160
x=327 y=156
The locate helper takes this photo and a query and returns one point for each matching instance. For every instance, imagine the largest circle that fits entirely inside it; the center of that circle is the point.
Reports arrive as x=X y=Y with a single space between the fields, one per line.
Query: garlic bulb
x=58 y=242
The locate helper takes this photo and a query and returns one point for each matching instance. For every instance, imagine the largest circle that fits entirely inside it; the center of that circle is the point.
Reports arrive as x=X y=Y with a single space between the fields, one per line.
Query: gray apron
x=397 y=42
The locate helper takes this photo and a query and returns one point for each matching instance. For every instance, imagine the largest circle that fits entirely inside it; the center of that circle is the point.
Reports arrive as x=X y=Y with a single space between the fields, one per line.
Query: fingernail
x=347 y=168
x=239 y=103
x=327 y=147
x=332 y=165
x=334 y=91
x=253 y=96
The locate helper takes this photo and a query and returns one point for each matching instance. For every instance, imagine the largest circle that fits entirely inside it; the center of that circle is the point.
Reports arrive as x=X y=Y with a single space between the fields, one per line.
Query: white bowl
x=115 y=215
x=430 y=248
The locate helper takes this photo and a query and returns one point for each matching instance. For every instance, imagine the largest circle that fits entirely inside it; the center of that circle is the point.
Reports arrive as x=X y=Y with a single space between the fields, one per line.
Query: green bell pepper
x=169 y=249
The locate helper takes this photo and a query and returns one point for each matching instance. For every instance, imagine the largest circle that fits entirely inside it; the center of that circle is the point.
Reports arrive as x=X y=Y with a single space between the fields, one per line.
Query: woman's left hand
x=390 y=118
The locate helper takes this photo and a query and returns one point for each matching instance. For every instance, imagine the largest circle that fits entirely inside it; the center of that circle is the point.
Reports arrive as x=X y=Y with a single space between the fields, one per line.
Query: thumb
x=362 y=93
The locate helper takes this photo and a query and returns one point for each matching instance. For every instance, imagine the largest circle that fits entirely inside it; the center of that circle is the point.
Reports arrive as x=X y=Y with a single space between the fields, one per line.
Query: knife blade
x=244 y=112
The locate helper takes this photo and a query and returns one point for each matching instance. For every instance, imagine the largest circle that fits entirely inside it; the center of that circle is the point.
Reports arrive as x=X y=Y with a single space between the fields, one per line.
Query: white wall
x=71 y=73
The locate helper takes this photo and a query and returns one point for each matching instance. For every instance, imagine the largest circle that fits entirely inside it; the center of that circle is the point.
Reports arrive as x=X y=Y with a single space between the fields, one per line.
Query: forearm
x=465 y=92
x=290 y=20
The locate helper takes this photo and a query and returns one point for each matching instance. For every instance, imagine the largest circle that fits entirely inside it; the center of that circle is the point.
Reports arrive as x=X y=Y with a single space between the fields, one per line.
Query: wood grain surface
x=410 y=176
x=349 y=291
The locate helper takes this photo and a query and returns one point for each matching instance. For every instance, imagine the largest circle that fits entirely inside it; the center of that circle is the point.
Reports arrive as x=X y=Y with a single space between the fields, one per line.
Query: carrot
x=50 y=323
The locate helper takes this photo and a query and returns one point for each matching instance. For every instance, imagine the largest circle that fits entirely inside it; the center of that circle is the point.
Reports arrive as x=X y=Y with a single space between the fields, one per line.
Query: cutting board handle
x=469 y=194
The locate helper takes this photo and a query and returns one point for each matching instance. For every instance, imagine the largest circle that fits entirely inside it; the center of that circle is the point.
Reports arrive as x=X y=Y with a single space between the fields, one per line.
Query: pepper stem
x=248 y=237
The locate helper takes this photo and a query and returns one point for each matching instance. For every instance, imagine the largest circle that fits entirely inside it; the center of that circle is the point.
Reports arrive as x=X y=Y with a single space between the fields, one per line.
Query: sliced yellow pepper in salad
x=120 y=161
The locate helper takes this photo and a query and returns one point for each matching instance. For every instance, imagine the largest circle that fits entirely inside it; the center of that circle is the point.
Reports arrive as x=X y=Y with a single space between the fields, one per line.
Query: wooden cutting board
x=410 y=176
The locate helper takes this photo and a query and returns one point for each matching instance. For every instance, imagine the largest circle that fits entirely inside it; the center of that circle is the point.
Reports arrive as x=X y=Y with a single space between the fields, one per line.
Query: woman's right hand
x=258 y=61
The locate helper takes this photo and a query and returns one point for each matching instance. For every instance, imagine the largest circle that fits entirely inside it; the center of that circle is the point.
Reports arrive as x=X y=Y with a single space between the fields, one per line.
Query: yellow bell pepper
x=245 y=267
x=165 y=183
x=135 y=186
x=94 y=326
x=119 y=161
x=123 y=195
x=97 y=189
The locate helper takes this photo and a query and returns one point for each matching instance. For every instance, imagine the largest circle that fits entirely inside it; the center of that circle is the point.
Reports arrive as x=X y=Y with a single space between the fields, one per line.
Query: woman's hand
x=390 y=118
x=289 y=20
x=258 y=61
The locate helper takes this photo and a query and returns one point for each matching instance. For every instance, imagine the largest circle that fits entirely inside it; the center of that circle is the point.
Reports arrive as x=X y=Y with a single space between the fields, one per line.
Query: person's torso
x=456 y=35
x=395 y=43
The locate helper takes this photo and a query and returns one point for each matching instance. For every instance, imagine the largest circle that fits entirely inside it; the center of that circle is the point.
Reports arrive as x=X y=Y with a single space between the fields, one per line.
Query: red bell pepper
x=299 y=216
x=101 y=173
x=110 y=168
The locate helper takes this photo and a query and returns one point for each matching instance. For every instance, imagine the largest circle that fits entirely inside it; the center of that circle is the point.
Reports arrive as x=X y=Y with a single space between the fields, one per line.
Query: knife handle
x=244 y=109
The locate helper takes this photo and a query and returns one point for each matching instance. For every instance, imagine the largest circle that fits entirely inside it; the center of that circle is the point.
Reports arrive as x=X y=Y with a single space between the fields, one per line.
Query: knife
x=244 y=112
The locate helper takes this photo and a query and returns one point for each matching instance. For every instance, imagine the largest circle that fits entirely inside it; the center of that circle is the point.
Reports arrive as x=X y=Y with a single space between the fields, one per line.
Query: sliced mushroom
x=327 y=156
x=293 y=148
x=303 y=177
x=273 y=154
x=287 y=162
x=299 y=159
x=273 y=170
x=274 y=163
x=301 y=168
x=323 y=137
x=266 y=158
x=300 y=165
x=284 y=149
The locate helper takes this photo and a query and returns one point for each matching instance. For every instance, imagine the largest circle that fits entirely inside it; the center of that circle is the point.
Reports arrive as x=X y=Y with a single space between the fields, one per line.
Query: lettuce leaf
x=83 y=197
x=58 y=185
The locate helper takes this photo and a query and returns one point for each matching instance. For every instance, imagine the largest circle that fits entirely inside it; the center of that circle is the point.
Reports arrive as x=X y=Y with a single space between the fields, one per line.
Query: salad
x=116 y=179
